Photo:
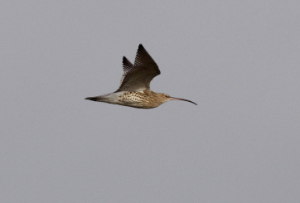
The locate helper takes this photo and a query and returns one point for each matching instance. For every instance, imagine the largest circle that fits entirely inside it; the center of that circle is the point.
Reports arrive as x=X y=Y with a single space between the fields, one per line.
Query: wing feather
x=138 y=76
x=127 y=65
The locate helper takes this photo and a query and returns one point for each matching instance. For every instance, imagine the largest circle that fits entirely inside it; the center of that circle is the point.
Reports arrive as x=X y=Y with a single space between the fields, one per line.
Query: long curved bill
x=174 y=98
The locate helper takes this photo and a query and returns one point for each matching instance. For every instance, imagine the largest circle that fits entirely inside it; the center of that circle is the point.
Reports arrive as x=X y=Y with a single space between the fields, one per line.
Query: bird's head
x=165 y=97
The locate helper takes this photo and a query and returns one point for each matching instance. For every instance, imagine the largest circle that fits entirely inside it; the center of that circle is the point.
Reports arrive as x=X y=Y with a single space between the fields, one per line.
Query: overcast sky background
x=239 y=60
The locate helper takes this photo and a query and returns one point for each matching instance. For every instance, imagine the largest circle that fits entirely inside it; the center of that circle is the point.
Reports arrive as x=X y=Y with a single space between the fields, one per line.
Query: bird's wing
x=127 y=65
x=138 y=77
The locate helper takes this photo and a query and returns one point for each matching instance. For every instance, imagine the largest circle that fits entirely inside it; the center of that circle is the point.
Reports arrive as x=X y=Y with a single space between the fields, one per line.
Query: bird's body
x=145 y=100
x=134 y=90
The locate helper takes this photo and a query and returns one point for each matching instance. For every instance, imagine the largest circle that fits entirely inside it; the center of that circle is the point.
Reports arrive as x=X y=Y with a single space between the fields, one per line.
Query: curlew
x=134 y=90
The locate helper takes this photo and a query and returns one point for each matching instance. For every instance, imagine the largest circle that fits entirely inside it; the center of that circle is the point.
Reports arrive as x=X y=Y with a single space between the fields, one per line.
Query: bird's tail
x=92 y=98
x=109 y=98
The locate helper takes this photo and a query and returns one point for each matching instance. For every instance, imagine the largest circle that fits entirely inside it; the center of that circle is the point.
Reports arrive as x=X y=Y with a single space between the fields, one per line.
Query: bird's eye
x=167 y=96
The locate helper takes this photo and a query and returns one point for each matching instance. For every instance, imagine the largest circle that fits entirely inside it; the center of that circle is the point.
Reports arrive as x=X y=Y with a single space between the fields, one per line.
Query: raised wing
x=138 y=77
x=127 y=65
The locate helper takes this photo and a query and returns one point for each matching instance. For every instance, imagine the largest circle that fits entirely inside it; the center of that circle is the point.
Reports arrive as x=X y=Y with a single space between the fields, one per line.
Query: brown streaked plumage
x=134 y=89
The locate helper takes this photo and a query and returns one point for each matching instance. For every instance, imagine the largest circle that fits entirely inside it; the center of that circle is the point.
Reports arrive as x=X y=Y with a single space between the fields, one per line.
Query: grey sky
x=239 y=60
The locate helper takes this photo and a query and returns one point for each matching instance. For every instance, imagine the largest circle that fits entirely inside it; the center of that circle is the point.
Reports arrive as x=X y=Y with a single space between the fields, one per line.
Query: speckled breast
x=138 y=99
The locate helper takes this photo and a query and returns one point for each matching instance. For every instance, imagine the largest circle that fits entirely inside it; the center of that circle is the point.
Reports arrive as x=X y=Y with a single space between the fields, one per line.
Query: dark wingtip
x=141 y=49
x=126 y=63
x=141 y=46
x=125 y=60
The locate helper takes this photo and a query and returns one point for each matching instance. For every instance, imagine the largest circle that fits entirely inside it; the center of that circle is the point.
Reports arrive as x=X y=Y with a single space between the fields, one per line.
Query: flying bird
x=134 y=90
